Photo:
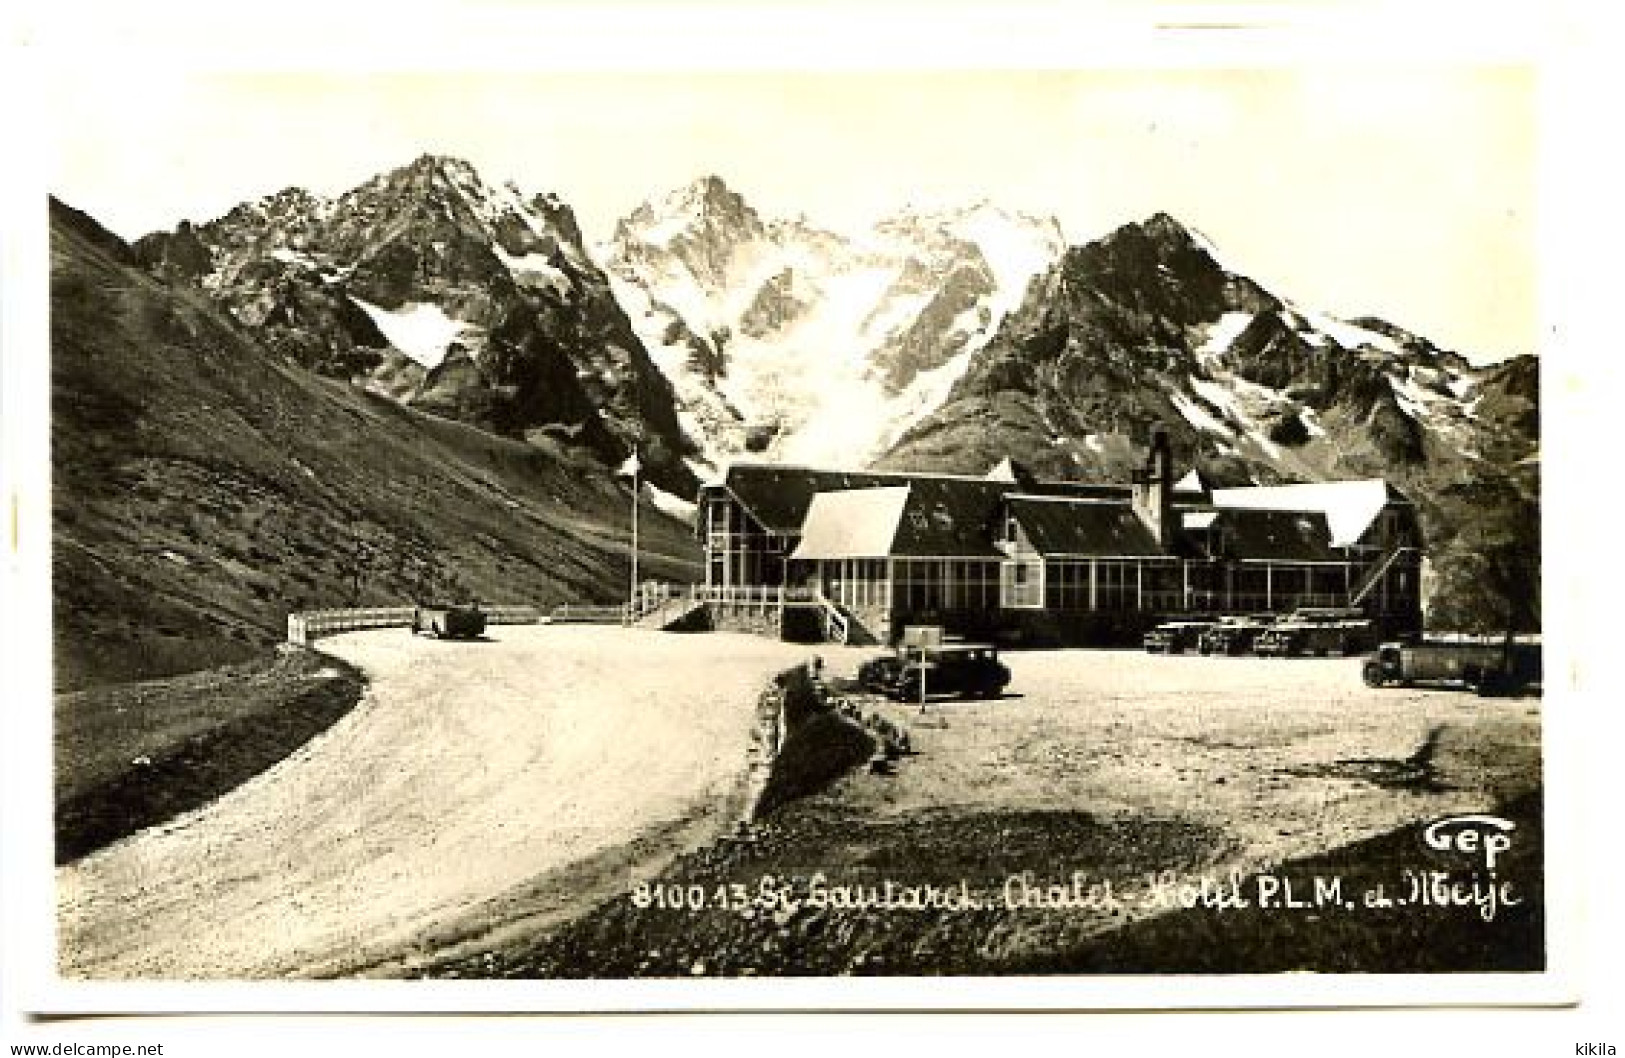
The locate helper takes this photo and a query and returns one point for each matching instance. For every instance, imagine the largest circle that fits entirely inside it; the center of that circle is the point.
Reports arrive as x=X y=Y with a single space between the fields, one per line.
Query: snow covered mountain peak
x=795 y=341
x=703 y=211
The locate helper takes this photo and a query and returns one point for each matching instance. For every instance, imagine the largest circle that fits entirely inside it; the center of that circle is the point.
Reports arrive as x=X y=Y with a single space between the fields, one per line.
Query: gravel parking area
x=1289 y=756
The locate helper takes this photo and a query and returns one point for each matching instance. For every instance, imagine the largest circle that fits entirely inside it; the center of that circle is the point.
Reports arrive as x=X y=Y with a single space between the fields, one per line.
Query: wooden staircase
x=670 y=612
x=841 y=625
x=1374 y=575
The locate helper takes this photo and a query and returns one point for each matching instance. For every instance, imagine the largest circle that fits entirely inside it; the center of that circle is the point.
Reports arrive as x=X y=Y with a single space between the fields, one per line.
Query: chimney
x=1152 y=494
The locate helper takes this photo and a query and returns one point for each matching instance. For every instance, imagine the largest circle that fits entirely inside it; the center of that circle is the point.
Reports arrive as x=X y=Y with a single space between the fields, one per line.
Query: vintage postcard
x=580 y=533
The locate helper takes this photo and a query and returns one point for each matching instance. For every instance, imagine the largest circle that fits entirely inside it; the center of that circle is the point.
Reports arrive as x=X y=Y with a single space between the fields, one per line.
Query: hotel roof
x=1084 y=528
x=1349 y=507
x=780 y=497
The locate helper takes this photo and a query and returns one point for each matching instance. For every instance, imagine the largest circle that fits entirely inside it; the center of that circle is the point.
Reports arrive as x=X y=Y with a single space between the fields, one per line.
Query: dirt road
x=468 y=770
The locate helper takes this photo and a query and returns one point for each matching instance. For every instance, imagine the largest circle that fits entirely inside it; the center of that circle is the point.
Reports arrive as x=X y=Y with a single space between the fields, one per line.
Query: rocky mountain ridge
x=448 y=294
x=1146 y=326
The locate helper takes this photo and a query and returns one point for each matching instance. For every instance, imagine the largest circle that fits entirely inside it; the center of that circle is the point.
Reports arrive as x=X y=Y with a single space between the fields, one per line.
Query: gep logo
x=1476 y=836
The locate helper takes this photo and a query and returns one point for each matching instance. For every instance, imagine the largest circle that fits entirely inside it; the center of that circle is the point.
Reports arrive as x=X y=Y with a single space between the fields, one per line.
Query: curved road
x=467 y=770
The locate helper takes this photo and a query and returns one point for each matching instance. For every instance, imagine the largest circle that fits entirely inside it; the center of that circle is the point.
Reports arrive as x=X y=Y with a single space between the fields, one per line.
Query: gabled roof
x=1277 y=536
x=926 y=518
x=1083 y=527
x=852 y=523
x=947 y=518
x=779 y=497
x=1349 y=507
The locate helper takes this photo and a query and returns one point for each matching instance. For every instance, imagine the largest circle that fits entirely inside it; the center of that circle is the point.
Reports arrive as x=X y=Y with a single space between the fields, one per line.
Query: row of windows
x=946 y=585
x=915 y=585
x=1117 y=585
x=856 y=582
x=1106 y=584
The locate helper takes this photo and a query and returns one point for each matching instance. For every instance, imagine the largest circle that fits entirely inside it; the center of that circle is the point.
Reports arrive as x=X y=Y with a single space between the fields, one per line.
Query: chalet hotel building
x=1009 y=556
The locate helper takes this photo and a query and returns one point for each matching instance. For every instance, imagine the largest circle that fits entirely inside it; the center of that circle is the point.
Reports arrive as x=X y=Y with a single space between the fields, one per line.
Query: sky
x=1400 y=190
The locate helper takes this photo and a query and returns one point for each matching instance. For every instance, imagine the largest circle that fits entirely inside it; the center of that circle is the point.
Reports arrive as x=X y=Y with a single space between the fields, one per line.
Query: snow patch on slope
x=1016 y=249
x=1245 y=405
x=1222 y=334
x=1348 y=335
x=1197 y=415
x=669 y=503
x=536 y=269
x=294 y=257
x=704 y=414
x=421 y=330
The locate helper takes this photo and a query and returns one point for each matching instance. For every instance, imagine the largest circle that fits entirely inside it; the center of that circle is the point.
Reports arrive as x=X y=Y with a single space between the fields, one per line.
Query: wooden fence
x=593 y=615
x=307 y=625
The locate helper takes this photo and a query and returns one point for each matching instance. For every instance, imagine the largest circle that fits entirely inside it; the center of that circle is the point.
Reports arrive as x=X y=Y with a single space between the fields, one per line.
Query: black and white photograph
x=547 y=525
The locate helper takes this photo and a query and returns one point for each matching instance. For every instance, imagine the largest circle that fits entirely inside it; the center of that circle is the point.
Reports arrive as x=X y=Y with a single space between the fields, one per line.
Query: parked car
x=970 y=670
x=1232 y=635
x=1175 y=637
x=878 y=674
x=449 y=621
x=1504 y=667
x=1300 y=636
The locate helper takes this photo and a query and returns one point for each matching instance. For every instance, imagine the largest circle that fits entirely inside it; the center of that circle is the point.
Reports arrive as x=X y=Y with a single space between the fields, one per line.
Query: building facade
x=1009 y=556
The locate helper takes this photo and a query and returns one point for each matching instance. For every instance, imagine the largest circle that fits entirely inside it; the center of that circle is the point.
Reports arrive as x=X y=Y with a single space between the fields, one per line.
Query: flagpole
x=632 y=600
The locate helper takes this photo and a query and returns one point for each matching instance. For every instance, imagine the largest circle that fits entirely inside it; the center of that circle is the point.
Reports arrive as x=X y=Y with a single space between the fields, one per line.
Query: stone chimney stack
x=1153 y=490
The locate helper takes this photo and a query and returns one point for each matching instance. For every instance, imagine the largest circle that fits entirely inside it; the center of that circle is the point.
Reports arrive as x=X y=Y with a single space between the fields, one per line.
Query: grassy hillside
x=204 y=488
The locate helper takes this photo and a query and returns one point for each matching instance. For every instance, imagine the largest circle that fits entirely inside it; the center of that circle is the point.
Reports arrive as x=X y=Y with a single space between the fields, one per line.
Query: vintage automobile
x=1507 y=666
x=1318 y=632
x=1232 y=635
x=877 y=674
x=970 y=670
x=1175 y=637
x=449 y=621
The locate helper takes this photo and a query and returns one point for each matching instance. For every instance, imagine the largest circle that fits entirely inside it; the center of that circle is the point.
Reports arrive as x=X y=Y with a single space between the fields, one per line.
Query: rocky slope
x=204 y=486
x=448 y=294
x=1146 y=326
x=786 y=339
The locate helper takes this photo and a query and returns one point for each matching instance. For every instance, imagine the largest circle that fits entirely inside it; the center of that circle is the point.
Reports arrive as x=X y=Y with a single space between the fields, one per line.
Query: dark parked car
x=1232 y=635
x=1175 y=637
x=970 y=670
x=1294 y=637
x=449 y=622
x=878 y=674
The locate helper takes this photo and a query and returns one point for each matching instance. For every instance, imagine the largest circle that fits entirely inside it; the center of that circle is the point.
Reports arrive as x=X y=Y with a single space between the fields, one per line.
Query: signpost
x=917 y=638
